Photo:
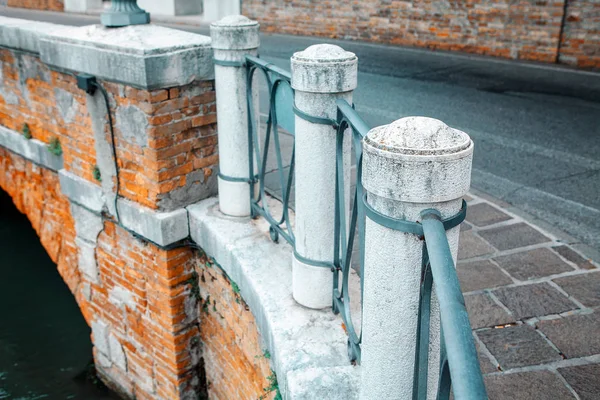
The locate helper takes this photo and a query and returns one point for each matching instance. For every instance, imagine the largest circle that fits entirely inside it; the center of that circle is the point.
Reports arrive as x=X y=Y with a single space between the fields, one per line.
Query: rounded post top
x=418 y=136
x=324 y=68
x=235 y=32
x=417 y=160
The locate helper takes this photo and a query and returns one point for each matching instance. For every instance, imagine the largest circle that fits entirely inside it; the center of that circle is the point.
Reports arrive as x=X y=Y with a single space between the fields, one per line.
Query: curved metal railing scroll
x=281 y=101
x=348 y=120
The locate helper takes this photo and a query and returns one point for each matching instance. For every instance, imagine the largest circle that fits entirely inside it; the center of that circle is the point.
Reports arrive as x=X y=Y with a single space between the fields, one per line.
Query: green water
x=45 y=347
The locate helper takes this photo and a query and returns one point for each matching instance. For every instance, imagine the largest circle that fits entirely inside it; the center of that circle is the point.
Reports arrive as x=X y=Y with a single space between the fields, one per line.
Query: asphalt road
x=536 y=127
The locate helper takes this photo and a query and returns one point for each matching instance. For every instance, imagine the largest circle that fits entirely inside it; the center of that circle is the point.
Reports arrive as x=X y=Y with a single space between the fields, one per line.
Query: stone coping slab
x=23 y=34
x=142 y=56
x=308 y=347
x=161 y=228
x=31 y=149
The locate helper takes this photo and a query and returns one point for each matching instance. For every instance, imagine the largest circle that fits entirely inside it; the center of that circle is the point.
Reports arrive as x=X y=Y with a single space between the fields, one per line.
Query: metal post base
x=124 y=13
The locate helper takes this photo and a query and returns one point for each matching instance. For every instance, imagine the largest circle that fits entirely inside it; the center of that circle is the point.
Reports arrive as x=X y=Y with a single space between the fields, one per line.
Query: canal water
x=45 y=346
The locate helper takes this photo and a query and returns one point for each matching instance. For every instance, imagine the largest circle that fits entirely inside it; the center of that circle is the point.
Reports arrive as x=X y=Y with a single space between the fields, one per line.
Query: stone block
x=470 y=245
x=575 y=335
x=585 y=288
x=538 y=385
x=32 y=149
x=173 y=7
x=574 y=257
x=518 y=346
x=485 y=364
x=23 y=34
x=88 y=225
x=87 y=259
x=81 y=6
x=334 y=383
x=142 y=56
x=484 y=214
x=532 y=264
x=477 y=275
x=117 y=355
x=162 y=228
x=100 y=332
x=584 y=379
x=534 y=300
x=508 y=237
x=484 y=312
x=81 y=192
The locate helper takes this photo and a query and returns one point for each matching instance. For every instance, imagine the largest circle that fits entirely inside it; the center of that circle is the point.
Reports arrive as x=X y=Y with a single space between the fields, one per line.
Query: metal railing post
x=321 y=75
x=233 y=38
x=411 y=165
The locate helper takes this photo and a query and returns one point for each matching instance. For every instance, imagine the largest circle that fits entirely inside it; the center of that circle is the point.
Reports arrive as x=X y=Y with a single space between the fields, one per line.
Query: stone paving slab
x=533 y=303
x=584 y=379
x=538 y=385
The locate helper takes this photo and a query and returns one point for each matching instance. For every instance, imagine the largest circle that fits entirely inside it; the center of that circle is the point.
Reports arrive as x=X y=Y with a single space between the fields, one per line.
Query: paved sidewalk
x=534 y=306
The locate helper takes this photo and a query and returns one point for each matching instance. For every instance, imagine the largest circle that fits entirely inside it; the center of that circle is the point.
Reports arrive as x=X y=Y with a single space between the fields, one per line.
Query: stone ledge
x=31 y=149
x=142 y=56
x=81 y=192
x=22 y=34
x=299 y=339
x=162 y=228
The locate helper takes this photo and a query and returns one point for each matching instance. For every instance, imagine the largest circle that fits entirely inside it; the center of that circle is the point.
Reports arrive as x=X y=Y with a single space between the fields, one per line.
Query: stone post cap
x=235 y=32
x=324 y=68
x=417 y=159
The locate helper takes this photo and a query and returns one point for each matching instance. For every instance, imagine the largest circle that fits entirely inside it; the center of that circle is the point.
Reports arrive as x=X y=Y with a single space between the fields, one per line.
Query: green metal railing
x=459 y=366
x=281 y=96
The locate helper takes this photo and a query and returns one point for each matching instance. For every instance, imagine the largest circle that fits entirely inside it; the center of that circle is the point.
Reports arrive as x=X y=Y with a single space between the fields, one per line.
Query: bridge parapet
x=106 y=135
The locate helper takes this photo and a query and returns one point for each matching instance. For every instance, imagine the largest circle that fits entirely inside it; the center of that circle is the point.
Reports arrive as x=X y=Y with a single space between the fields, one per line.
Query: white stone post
x=81 y=6
x=217 y=9
x=413 y=164
x=232 y=38
x=321 y=75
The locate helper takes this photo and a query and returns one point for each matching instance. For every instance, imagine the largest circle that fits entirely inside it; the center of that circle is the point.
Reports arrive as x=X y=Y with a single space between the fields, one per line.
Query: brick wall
x=236 y=366
x=525 y=29
x=167 y=156
x=580 y=43
x=155 y=334
x=53 y=5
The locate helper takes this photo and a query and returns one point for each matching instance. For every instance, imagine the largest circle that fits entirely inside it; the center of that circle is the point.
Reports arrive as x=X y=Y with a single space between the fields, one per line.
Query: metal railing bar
x=265 y=65
x=467 y=381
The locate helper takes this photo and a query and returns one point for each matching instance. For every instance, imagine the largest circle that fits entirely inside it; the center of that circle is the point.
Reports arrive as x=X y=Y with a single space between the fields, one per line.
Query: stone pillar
x=413 y=164
x=172 y=7
x=321 y=75
x=214 y=10
x=232 y=38
x=82 y=6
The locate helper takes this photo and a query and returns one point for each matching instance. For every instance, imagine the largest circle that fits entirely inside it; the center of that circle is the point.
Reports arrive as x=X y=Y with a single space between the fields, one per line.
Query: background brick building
x=553 y=31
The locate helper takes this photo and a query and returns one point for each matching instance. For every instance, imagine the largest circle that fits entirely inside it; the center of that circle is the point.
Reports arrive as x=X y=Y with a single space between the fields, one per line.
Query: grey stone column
x=232 y=38
x=413 y=164
x=321 y=75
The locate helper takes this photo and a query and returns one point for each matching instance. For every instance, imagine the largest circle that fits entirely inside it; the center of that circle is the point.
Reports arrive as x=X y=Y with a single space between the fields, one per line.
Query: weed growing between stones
x=26 y=131
x=54 y=146
x=96 y=173
x=273 y=387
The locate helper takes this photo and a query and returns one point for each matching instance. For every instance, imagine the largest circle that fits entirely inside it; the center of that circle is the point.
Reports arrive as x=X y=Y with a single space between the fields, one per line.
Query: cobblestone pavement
x=534 y=306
